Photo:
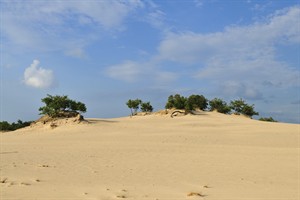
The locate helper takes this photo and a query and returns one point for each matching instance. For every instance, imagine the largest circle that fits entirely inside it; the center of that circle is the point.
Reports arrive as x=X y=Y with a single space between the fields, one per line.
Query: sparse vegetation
x=177 y=101
x=136 y=104
x=194 y=102
x=146 y=107
x=133 y=105
x=61 y=106
x=6 y=126
x=240 y=107
x=219 y=105
x=188 y=104
x=267 y=119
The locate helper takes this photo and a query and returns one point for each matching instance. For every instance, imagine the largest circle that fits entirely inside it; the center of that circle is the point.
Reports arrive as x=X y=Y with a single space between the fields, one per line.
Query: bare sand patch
x=206 y=156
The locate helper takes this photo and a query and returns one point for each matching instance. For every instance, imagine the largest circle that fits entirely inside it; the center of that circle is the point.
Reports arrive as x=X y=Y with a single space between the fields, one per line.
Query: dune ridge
x=204 y=156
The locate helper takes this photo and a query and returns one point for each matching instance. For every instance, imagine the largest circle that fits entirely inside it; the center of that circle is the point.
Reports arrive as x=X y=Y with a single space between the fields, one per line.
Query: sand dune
x=208 y=156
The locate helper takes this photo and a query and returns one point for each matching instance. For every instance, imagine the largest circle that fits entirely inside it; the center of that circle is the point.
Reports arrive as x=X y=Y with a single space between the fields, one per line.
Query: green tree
x=57 y=106
x=177 y=101
x=146 y=107
x=240 y=107
x=194 y=102
x=133 y=104
x=219 y=105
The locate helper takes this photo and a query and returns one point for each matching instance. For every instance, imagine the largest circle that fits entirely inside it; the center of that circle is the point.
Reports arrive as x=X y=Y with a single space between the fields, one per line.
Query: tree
x=57 y=106
x=219 y=105
x=177 y=101
x=133 y=104
x=194 y=102
x=146 y=107
x=240 y=107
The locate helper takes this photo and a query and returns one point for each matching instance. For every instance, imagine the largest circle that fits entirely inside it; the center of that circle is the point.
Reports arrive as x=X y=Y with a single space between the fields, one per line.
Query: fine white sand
x=208 y=156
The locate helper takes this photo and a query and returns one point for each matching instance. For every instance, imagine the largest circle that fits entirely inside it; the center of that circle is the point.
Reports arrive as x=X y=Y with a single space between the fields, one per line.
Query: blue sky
x=103 y=53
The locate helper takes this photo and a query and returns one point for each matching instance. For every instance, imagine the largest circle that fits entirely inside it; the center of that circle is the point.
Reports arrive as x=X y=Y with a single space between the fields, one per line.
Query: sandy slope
x=154 y=157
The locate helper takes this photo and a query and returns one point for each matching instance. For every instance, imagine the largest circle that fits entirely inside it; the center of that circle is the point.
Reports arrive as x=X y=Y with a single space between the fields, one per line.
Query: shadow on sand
x=96 y=121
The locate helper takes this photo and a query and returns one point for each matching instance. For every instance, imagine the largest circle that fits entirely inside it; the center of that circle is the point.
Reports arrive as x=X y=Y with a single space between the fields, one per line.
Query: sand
x=208 y=156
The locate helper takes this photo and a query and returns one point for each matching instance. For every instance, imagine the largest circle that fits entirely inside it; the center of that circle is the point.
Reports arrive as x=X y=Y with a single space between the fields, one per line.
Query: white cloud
x=76 y=52
x=35 y=76
x=127 y=71
x=246 y=55
x=198 y=3
x=246 y=42
x=57 y=25
x=165 y=78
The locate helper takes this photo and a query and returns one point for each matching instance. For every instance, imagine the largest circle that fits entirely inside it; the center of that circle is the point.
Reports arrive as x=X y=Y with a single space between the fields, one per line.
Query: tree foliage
x=186 y=103
x=177 y=101
x=146 y=107
x=241 y=107
x=194 y=102
x=57 y=106
x=6 y=126
x=219 y=105
x=133 y=105
x=136 y=104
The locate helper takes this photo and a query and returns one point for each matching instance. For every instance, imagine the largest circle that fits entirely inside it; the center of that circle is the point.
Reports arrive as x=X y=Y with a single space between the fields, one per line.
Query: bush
x=219 y=105
x=194 y=102
x=267 y=119
x=146 y=107
x=61 y=106
x=240 y=107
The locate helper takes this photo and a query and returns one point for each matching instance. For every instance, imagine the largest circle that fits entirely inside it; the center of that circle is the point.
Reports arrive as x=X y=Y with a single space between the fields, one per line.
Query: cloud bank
x=239 y=61
x=41 y=25
x=37 y=77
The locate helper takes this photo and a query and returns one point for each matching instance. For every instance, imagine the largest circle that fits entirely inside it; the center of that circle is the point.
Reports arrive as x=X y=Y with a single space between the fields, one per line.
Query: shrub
x=194 y=102
x=219 y=105
x=240 y=107
x=267 y=119
x=57 y=106
x=146 y=107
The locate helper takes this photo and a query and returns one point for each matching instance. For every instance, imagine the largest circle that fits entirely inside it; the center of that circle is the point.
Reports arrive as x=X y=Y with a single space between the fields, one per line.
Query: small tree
x=57 y=106
x=146 y=107
x=133 y=104
x=196 y=102
x=219 y=105
x=240 y=107
x=177 y=101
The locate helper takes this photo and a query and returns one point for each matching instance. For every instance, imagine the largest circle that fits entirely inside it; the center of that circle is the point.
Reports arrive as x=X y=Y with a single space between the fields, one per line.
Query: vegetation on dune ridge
x=194 y=102
x=63 y=107
x=184 y=105
x=267 y=119
x=137 y=104
x=6 y=126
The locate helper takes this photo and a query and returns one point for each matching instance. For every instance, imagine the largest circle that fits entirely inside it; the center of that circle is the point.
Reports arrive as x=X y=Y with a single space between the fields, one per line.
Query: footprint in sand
x=199 y=194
